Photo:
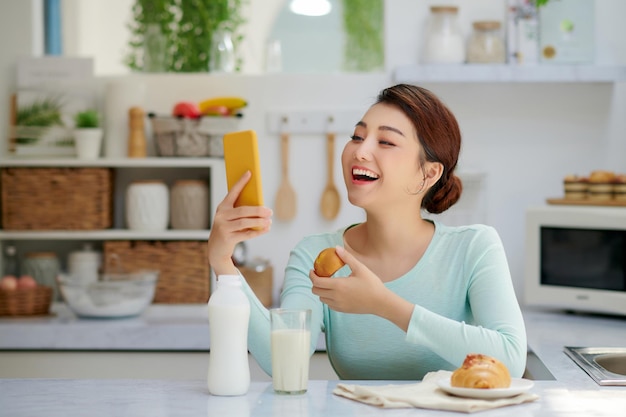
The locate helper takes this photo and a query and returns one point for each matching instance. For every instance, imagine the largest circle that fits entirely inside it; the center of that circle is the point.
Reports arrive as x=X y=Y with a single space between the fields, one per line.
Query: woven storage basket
x=175 y=136
x=26 y=302
x=57 y=198
x=183 y=265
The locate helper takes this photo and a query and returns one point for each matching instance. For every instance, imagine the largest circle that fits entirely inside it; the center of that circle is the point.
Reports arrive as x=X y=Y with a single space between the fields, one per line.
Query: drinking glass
x=291 y=350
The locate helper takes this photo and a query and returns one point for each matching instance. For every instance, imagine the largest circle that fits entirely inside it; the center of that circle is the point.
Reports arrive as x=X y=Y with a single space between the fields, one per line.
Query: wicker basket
x=26 y=302
x=57 y=198
x=175 y=136
x=183 y=265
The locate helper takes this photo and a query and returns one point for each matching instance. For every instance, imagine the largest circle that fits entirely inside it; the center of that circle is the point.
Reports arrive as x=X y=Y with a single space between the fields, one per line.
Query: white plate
x=518 y=386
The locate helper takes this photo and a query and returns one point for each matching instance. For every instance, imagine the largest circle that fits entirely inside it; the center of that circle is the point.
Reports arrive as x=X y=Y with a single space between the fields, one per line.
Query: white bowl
x=112 y=296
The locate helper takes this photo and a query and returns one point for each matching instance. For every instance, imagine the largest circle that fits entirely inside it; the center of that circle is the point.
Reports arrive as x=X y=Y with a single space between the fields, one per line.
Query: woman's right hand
x=232 y=225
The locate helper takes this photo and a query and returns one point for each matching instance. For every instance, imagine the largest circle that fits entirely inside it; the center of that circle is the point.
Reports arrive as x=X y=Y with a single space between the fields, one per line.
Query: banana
x=230 y=102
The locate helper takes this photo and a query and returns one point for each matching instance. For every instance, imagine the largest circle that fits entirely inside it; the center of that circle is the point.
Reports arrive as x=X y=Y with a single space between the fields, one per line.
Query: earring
x=422 y=185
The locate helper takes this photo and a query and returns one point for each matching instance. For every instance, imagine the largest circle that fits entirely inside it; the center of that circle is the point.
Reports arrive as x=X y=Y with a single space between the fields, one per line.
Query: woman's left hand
x=360 y=293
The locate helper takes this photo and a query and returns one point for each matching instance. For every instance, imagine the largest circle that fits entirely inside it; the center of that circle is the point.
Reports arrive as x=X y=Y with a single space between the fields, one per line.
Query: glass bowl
x=111 y=296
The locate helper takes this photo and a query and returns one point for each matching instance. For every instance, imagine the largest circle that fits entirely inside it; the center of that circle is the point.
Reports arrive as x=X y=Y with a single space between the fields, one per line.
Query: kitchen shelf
x=109 y=234
x=510 y=73
x=150 y=162
x=63 y=242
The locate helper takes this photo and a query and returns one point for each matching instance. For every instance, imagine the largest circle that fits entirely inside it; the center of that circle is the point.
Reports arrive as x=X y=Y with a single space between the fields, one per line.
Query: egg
x=8 y=283
x=26 y=282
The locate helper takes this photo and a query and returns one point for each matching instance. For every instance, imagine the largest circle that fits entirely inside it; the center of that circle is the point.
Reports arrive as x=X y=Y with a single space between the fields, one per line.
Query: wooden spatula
x=285 y=205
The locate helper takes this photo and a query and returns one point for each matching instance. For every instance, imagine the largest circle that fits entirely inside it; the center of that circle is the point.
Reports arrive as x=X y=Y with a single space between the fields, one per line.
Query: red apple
x=8 y=283
x=186 y=109
x=26 y=282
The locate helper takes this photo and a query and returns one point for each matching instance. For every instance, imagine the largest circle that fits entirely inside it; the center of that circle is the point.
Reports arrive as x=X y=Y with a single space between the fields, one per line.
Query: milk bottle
x=229 y=315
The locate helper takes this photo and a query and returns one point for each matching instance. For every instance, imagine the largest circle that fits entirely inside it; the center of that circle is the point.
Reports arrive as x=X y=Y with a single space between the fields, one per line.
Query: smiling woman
x=415 y=295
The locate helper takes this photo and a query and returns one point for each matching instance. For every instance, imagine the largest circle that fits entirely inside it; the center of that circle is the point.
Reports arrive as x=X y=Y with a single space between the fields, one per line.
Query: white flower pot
x=88 y=142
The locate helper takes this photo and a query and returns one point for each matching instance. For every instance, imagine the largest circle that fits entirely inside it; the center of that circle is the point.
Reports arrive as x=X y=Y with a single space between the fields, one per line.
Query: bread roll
x=481 y=371
x=602 y=177
x=327 y=263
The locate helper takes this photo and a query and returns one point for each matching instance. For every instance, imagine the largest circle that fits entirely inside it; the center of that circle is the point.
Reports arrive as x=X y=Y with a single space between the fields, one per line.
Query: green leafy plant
x=40 y=114
x=89 y=118
x=363 y=27
x=187 y=27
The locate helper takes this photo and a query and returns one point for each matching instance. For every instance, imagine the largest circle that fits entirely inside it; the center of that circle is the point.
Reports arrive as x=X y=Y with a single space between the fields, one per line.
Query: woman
x=415 y=295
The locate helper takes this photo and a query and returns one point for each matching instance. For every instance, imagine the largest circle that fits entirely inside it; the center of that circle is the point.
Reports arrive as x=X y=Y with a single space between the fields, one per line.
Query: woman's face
x=381 y=161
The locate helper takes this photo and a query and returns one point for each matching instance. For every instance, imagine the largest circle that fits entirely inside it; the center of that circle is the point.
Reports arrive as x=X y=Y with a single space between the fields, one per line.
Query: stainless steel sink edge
x=584 y=357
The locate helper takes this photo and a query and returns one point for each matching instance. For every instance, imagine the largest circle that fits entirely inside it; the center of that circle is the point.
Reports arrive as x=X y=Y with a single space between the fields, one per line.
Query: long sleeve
x=496 y=326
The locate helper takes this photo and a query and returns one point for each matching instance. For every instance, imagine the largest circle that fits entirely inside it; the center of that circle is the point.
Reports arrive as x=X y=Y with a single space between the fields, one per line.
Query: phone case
x=241 y=153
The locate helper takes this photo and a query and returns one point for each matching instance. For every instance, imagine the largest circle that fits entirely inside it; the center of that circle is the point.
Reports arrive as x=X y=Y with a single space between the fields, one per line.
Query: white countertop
x=106 y=398
x=177 y=327
x=185 y=328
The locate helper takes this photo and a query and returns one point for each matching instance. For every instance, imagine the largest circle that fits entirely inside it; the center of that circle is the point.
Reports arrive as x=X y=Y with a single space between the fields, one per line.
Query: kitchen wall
x=524 y=137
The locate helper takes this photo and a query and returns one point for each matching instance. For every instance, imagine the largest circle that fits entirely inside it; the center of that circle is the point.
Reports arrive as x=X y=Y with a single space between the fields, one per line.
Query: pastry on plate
x=481 y=371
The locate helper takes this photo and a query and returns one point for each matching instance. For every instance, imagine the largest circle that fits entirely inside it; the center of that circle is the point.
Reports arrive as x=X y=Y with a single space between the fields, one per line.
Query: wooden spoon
x=330 y=202
x=285 y=204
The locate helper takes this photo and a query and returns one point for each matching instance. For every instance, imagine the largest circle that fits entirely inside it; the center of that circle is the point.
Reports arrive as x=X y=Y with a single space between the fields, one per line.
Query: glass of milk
x=291 y=350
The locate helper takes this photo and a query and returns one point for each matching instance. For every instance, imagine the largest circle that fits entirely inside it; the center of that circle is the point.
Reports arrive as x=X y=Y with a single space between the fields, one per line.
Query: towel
x=425 y=394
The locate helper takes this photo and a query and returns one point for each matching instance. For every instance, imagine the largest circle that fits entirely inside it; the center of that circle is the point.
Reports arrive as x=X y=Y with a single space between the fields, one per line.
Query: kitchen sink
x=606 y=365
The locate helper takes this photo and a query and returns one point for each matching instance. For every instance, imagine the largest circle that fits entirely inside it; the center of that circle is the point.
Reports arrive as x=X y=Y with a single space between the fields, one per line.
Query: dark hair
x=439 y=135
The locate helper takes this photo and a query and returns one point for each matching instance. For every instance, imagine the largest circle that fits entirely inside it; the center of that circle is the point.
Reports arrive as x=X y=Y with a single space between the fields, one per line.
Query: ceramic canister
x=120 y=96
x=147 y=205
x=189 y=205
x=85 y=264
x=44 y=268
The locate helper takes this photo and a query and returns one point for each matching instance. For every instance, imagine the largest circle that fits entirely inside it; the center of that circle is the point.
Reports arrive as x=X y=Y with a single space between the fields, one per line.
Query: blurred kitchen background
x=521 y=135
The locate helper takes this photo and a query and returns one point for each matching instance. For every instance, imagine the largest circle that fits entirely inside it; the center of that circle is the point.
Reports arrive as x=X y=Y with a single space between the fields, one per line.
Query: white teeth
x=364 y=172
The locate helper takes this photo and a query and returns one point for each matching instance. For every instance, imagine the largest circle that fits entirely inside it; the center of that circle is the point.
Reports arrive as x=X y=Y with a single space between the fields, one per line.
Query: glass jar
x=44 y=268
x=155 y=49
x=486 y=45
x=222 y=55
x=444 y=42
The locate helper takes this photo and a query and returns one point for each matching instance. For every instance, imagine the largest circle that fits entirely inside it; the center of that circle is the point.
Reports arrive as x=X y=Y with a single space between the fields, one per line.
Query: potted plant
x=182 y=31
x=87 y=134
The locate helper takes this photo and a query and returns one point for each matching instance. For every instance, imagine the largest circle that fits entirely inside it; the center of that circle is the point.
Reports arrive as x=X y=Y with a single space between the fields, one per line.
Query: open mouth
x=360 y=174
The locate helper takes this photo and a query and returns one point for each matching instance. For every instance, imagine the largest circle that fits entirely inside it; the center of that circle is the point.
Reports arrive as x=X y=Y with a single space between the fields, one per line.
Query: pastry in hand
x=481 y=371
x=327 y=263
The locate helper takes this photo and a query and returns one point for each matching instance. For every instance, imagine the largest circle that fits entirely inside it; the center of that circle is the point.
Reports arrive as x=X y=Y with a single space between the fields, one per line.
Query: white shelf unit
x=510 y=73
x=126 y=170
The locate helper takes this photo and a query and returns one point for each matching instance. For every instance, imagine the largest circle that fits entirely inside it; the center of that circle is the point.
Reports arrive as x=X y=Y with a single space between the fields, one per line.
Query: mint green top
x=464 y=303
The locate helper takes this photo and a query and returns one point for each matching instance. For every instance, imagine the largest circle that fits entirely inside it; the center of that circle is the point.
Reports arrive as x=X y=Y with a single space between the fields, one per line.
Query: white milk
x=290 y=360
x=229 y=314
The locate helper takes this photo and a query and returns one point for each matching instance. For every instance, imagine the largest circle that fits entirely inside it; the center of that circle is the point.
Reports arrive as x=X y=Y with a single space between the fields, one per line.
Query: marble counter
x=106 y=398
x=161 y=327
x=184 y=328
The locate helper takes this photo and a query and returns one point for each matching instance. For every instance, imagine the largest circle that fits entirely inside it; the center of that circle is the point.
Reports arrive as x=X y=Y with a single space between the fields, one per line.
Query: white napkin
x=425 y=394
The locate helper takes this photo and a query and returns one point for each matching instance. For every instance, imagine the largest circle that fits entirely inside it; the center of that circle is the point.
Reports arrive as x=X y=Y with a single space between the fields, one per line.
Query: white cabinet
x=126 y=170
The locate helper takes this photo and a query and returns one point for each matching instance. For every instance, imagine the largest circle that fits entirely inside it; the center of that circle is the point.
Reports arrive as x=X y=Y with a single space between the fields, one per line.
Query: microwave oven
x=576 y=258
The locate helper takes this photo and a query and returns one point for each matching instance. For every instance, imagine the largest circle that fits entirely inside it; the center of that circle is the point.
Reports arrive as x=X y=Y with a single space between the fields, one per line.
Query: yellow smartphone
x=241 y=154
